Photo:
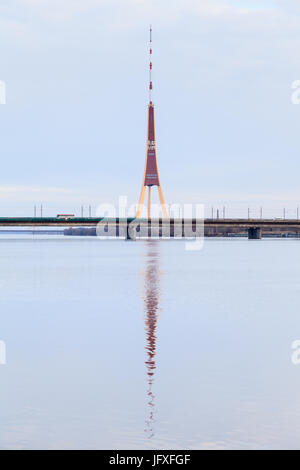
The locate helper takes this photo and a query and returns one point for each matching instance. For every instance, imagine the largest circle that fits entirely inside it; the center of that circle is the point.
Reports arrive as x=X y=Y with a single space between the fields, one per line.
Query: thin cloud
x=28 y=192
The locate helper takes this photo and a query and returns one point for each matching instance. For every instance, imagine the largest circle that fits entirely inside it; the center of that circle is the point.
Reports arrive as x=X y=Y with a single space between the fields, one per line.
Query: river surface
x=144 y=345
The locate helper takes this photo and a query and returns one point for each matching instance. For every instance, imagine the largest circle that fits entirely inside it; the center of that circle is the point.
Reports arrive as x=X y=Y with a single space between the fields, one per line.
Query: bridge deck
x=85 y=221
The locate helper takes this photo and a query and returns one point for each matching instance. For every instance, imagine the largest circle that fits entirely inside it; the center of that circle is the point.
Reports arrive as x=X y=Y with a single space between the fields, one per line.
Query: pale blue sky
x=74 y=127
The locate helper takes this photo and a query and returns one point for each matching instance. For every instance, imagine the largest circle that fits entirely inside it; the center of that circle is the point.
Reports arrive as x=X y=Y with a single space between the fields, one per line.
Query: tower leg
x=141 y=202
x=162 y=203
x=149 y=202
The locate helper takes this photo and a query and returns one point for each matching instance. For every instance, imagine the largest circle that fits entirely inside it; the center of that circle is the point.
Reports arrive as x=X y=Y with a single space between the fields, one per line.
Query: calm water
x=144 y=345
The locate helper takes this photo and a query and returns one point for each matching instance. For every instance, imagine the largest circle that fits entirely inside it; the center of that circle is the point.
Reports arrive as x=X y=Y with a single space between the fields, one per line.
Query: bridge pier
x=254 y=233
x=131 y=232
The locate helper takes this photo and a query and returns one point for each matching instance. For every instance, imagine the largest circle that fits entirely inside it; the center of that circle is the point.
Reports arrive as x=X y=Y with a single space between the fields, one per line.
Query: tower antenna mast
x=151 y=174
x=150 y=68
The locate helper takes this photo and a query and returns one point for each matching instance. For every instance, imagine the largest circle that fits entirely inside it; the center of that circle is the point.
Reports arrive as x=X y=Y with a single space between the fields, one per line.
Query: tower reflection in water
x=151 y=307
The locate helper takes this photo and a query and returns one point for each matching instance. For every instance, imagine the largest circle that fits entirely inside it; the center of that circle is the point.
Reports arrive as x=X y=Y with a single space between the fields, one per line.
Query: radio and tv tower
x=151 y=174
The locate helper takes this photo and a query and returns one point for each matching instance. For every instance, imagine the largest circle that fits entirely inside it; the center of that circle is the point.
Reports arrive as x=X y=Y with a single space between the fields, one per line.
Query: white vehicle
x=65 y=216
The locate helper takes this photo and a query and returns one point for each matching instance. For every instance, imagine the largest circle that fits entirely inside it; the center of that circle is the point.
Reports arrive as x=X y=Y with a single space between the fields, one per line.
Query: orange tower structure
x=151 y=174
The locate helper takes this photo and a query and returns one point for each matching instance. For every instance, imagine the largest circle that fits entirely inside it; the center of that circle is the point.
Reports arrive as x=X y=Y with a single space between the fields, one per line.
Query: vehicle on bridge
x=65 y=216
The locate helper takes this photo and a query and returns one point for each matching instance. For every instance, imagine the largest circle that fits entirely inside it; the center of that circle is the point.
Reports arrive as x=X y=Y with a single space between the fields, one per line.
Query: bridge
x=253 y=228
